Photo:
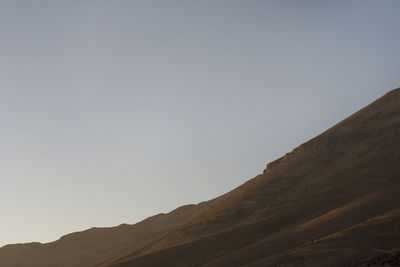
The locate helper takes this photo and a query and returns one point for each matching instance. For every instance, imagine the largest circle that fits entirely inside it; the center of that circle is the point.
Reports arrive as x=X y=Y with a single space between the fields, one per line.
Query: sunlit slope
x=370 y=242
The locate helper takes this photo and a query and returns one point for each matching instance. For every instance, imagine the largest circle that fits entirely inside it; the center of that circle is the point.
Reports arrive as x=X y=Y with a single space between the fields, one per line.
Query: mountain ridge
x=298 y=160
x=345 y=176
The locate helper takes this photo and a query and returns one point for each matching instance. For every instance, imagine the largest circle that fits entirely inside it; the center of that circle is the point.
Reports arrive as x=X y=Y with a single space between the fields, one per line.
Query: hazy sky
x=112 y=111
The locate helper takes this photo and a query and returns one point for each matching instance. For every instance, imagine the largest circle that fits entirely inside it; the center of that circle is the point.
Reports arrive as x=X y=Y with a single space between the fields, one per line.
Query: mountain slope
x=345 y=176
x=96 y=244
x=334 y=200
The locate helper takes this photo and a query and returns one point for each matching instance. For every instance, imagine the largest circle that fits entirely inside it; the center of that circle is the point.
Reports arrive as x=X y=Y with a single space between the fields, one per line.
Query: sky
x=113 y=111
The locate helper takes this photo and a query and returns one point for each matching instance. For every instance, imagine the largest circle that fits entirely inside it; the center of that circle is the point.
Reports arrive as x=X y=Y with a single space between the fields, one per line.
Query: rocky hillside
x=96 y=245
x=332 y=201
x=343 y=178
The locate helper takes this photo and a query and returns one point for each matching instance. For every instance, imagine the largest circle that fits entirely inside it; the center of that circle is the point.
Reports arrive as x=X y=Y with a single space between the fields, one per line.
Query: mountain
x=96 y=244
x=332 y=201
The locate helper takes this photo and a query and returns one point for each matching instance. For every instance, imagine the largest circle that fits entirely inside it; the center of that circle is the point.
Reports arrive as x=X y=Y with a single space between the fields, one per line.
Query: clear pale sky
x=112 y=111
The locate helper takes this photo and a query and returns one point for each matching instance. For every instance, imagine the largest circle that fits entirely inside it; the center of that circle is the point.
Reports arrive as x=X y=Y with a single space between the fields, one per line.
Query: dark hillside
x=332 y=201
x=341 y=178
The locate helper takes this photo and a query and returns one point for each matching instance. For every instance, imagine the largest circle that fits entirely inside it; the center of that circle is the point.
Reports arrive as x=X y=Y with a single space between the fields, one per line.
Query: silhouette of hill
x=96 y=244
x=332 y=201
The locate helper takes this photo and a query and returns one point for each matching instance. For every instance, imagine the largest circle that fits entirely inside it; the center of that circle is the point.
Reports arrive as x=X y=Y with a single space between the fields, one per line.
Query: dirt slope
x=333 y=201
x=341 y=178
x=96 y=244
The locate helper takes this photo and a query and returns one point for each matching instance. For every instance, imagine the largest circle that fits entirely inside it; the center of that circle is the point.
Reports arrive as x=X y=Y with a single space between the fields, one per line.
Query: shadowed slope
x=340 y=180
x=344 y=176
x=96 y=244
x=373 y=238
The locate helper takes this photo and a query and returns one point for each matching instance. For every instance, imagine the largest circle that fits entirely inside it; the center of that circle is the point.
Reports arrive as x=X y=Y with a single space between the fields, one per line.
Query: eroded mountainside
x=344 y=177
x=333 y=201
x=96 y=244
